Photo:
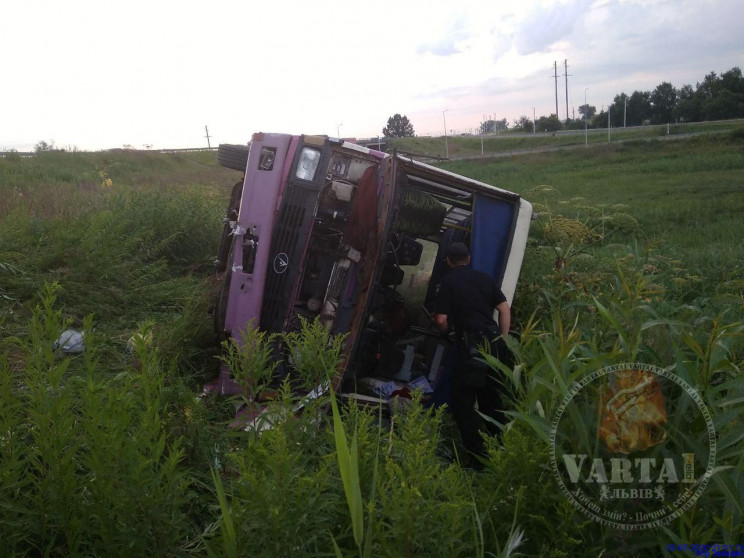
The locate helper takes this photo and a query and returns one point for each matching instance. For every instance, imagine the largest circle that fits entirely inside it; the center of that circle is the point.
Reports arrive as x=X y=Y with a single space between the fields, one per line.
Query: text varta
x=624 y=470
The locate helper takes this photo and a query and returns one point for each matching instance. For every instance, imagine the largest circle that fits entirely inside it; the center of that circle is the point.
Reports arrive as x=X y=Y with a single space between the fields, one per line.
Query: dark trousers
x=473 y=381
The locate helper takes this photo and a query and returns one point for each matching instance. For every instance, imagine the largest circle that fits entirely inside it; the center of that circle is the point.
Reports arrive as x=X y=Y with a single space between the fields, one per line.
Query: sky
x=100 y=74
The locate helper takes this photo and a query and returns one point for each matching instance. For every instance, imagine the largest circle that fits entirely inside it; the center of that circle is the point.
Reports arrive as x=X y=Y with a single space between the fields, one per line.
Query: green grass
x=56 y=183
x=636 y=254
x=138 y=248
x=510 y=142
x=687 y=195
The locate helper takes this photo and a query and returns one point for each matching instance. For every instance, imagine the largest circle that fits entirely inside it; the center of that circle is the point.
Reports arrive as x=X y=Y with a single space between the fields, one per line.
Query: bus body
x=330 y=230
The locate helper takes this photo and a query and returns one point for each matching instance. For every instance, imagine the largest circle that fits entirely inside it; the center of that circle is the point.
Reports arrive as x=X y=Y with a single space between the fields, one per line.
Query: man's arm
x=504 y=317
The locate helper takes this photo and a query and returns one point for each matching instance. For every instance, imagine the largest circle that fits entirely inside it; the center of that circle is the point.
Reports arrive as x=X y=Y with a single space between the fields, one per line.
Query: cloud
x=447 y=45
x=627 y=45
x=544 y=27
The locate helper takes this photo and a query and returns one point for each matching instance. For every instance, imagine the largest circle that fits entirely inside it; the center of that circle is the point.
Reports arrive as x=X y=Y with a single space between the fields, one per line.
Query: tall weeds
x=85 y=461
x=111 y=453
x=593 y=310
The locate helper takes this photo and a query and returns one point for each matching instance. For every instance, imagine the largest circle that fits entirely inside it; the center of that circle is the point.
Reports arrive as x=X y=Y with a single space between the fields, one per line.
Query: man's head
x=457 y=254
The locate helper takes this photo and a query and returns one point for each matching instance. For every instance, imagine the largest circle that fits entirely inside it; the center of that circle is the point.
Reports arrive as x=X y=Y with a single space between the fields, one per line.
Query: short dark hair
x=457 y=252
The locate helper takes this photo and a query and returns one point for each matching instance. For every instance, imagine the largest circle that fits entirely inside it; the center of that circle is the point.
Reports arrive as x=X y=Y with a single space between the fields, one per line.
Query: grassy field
x=636 y=255
x=121 y=232
x=687 y=196
x=509 y=143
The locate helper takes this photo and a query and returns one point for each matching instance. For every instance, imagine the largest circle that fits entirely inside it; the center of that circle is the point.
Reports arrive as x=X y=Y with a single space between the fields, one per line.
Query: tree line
x=717 y=97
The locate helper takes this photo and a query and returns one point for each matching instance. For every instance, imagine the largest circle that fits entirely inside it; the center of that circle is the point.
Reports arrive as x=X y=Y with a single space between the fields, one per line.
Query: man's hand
x=441 y=323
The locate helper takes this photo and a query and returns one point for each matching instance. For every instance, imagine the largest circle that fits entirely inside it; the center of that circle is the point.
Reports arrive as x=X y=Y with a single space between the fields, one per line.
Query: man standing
x=466 y=302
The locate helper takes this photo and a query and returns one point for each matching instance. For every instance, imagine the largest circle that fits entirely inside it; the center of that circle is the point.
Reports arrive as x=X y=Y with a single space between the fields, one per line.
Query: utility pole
x=534 y=125
x=555 y=75
x=446 y=147
x=209 y=145
x=609 y=107
x=565 y=73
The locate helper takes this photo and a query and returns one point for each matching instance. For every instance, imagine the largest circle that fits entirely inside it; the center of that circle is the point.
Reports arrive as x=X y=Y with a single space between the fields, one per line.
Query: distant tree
x=724 y=105
x=733 y=80
x=398 y=127
x=639 y=108
x=689 y=105
x=722 y=97
x=715 y=98
x=587 y=111
x=709 y=87
x=599 y=120
x=575 y=124
x=663 y=101
x=685 y=93
x=549 y=123
x=493 y=126
x=525 y=123
x=618 y=110
x=44 y=146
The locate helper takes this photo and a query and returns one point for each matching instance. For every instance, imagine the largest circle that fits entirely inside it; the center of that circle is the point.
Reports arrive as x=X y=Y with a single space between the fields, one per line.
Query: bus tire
x=233 y=156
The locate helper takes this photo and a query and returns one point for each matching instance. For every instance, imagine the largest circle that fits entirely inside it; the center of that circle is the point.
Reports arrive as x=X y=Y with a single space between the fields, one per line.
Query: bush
x=86 y=466
x=284 y=498
x=517 y=489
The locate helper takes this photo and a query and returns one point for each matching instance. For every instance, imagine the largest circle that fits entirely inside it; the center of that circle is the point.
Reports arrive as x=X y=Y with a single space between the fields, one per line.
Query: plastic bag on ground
x=70 y=341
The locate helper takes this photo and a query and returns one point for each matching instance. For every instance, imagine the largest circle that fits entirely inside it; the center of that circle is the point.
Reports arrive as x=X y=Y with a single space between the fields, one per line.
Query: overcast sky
x=104 y=73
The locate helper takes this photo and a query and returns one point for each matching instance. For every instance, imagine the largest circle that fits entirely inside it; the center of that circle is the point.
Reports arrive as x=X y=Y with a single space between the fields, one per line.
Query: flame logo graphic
x=633 y=412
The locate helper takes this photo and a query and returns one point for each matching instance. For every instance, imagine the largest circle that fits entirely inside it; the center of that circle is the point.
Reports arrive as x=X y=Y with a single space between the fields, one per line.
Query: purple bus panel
x=265 y=176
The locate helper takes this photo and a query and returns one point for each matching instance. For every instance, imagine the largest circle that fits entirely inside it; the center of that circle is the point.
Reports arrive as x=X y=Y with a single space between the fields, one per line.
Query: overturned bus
x=324 y=228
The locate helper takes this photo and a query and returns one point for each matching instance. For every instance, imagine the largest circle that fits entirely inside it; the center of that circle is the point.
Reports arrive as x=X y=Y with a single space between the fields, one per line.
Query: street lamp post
x=446 y=146
x=338 y=131
x=625 y=111
x=586 y=129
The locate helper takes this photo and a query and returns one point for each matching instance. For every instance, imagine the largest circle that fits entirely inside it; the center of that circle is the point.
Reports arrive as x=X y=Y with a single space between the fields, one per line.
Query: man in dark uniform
x=466 y=302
